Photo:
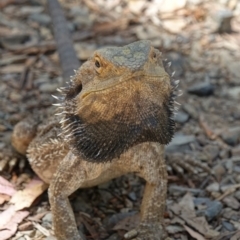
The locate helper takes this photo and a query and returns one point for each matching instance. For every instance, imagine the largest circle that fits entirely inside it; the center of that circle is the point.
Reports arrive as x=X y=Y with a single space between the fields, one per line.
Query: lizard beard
x=111 y=122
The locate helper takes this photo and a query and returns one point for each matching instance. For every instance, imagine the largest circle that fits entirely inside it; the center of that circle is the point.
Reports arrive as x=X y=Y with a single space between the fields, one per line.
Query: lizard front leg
x=71 y=174
x=154 y=202
x=64 y=183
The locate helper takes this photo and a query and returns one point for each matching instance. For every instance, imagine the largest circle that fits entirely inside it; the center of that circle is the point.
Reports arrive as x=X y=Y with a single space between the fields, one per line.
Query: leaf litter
x=189 y=33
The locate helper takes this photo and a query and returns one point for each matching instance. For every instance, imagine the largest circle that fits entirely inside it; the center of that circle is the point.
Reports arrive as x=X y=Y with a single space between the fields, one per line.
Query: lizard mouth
x=108 y=84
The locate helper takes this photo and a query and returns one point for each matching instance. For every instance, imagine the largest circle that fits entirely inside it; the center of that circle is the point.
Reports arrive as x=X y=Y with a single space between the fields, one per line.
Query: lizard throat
x=103 y=141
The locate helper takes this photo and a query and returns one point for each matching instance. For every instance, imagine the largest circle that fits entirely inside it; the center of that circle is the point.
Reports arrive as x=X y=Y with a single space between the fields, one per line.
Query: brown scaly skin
x=115 y=118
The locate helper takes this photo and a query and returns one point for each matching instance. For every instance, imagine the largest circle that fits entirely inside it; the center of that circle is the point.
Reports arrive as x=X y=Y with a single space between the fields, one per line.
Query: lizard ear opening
x=73 y=92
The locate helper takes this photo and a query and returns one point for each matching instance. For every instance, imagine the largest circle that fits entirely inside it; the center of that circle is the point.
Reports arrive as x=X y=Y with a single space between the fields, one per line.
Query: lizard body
x=115 y=117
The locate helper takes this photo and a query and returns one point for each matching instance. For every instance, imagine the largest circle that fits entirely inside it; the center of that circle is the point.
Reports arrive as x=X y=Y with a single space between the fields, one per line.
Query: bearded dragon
x=115 y=117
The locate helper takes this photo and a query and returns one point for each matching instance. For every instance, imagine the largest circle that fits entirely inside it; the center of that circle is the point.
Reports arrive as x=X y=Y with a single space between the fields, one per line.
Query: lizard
x=115 y=117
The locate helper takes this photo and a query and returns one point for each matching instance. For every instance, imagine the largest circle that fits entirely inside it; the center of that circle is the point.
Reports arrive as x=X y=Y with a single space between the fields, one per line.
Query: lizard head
x=120 y=97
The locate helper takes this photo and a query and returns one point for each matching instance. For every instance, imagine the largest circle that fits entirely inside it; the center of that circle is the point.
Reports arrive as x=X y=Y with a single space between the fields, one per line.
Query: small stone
x=237 y=195
x=49 y=238
x=105 y=195
x=224 y=153
x=180 y=143
x=191 y=110
x=171 y=6
x=78 y=11
x=214 y=73
x=41 y=18
x=219 y=171
x=178 y=190
x=132 y=196
x=26 y=10
x=181 y=117
x=136 y=7
x=226 y=187
x=147 y=32
x=228 y=226
x=223 y=19
x=201 y=200
x=202 y=140
x=237 y=178
x=115 y=218
x=172 y=229
x=82 y=21
x=231 y=136
x=105 y=185
x=47 y=218
x=209 y=209
x=115 y=236
x=14 y=39
x=15 y=96
x=214 y=187
x=211 y=151
x=174 y=25
x=234 y=92
x=231 y=202
x=213 y=210
x=80 y=205
x=195 y=2
x=201 y=89
x=233 y=68
x=235 y=151
x=229 y=166
x=215 y=195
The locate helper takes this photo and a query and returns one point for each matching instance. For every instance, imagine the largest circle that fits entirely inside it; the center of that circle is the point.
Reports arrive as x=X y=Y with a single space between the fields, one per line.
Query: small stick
x=67 y=54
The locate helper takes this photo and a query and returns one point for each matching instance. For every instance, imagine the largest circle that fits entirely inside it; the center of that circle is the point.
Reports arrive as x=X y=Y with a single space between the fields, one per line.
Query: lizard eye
x=154 y=55
x=97 y=64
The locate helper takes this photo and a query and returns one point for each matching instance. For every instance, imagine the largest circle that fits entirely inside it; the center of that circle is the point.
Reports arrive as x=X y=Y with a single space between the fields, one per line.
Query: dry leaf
x=128 y=223
x=114 y=26
x=26 y=197
x=194 y=234
x=6 y=215
x=43 y=230
x=6 y=187
x=236 y=236
x=14 y=68
x=9 y=220
x=4 y=198
x=185 y=210
x=200 y=224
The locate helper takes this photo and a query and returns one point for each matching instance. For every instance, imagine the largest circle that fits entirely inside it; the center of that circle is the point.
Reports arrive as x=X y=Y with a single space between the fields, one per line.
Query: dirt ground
x=202 y=41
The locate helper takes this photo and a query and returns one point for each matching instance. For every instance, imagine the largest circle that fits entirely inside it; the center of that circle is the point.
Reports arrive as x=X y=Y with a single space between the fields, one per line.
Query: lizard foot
x=147 y=232
x=9 y=159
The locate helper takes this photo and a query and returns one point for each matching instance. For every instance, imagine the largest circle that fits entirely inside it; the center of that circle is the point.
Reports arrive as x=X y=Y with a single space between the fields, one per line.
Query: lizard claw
x=147 y=232
x=9 y=159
